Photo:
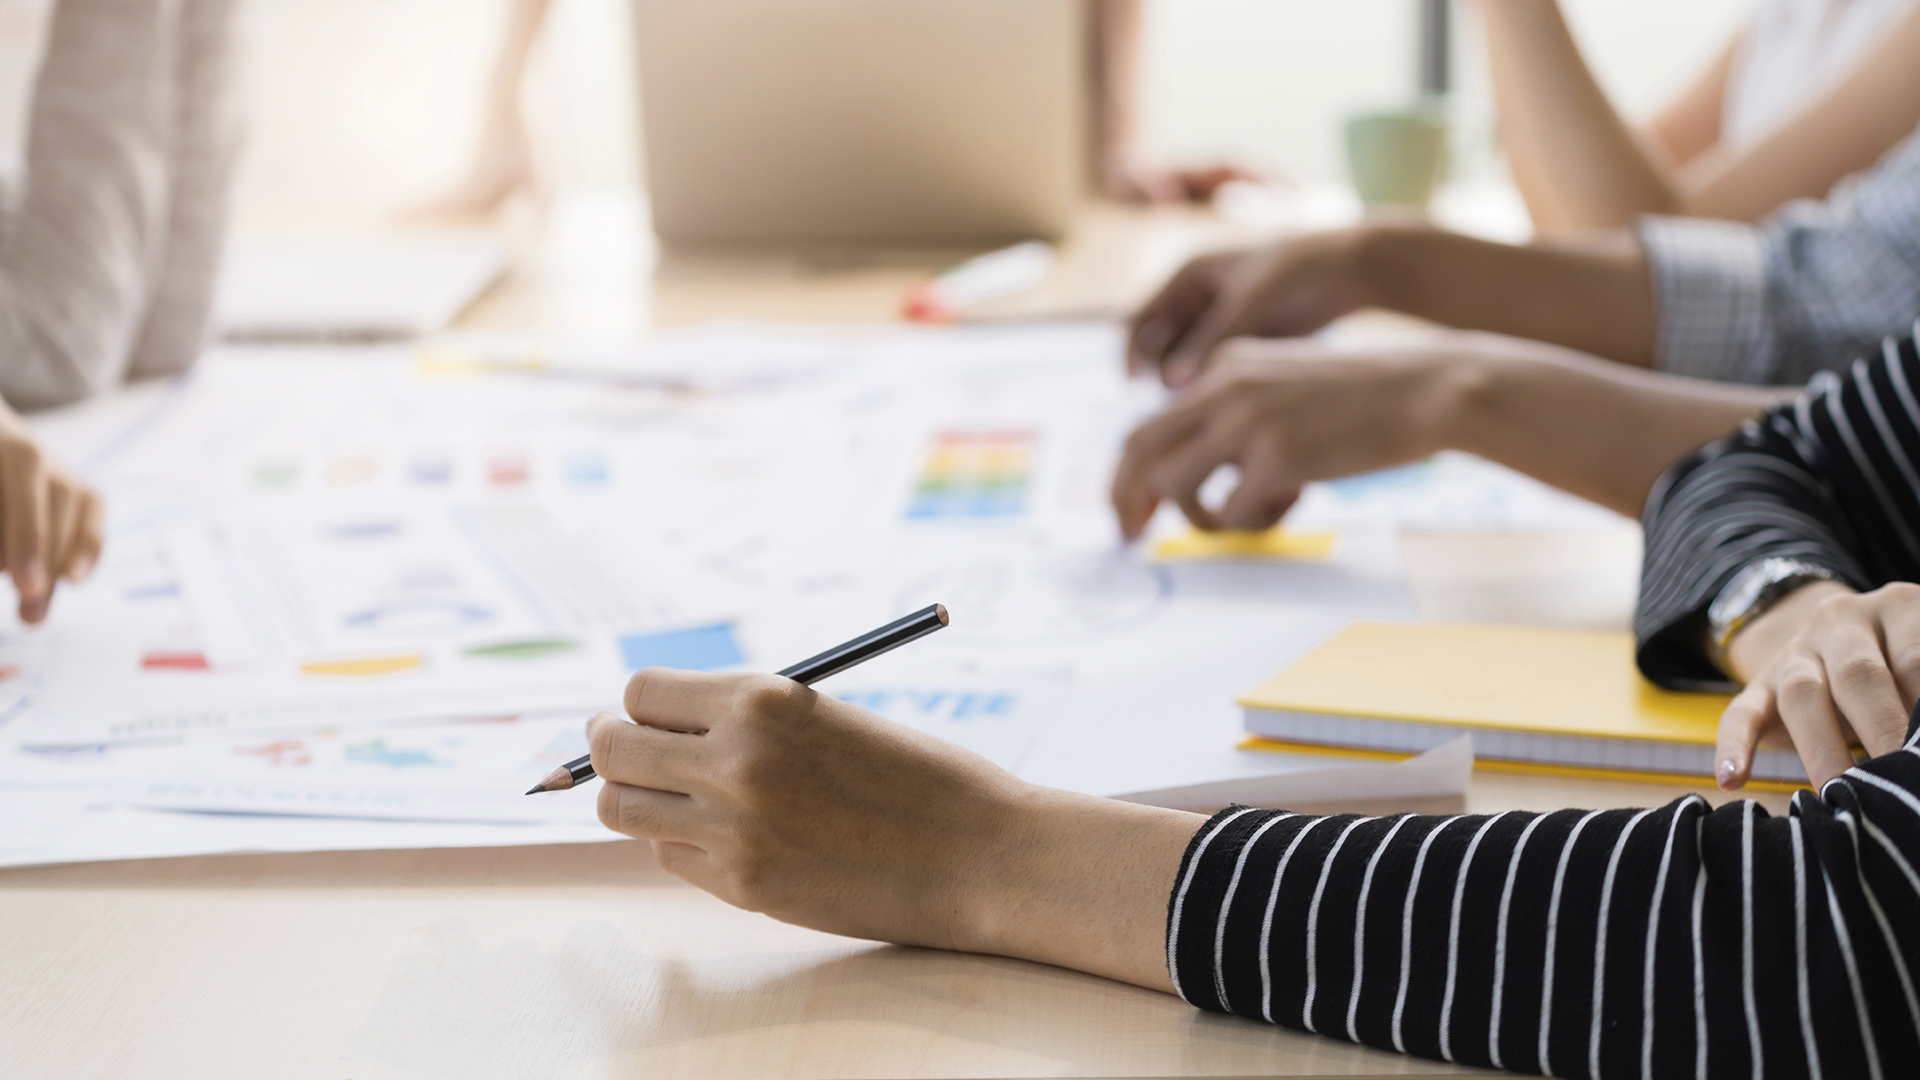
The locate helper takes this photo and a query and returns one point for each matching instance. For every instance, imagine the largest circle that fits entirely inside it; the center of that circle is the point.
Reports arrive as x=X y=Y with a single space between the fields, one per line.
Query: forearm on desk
x=1440 y=936
x=1602 y=431
x=1081 y=883
x=1594 y=295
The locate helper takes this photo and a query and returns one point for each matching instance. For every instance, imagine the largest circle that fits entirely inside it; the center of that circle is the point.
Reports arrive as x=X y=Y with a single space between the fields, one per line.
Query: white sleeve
x=81 y=253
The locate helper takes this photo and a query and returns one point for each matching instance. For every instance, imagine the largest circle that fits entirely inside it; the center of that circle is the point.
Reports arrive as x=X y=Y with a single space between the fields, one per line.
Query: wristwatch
x=1748 y=596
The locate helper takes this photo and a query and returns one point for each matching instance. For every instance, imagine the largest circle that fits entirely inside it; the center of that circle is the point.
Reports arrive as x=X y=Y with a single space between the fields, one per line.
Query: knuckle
x=1802 y=678
x=675 y=859
x=751 y=776
x=1837 y=609
x=1904 y=658
x=1235 y=358
x=1860 y=670
x=1900 y=592
x=763 y=697
x=752 y=873
x=27 y=456
x=610 y=805
x=637 y=689
x=603 y=741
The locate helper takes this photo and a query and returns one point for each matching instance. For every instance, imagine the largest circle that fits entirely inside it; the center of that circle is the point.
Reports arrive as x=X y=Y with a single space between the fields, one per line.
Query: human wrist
x=1389 y=263
x=1079 y=882
x=1754 y=648
x=1370 y=256
x=1458 y=392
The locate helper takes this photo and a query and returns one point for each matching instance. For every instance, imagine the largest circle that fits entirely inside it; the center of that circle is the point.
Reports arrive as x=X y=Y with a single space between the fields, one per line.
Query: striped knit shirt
x=1682 y=941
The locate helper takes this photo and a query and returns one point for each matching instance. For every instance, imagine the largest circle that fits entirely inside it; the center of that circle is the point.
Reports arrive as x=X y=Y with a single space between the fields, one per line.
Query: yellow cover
x=1559 y=682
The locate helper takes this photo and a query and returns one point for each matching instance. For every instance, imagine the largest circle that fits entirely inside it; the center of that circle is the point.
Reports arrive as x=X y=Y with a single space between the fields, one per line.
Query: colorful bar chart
x=975 y=475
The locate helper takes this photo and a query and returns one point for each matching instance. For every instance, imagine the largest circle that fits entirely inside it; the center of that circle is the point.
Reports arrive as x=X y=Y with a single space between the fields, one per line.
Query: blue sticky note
x=698 y=648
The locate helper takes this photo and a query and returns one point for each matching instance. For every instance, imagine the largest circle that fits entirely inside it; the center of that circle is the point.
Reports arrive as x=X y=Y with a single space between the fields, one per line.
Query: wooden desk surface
x=567 y=961
x=586 y=960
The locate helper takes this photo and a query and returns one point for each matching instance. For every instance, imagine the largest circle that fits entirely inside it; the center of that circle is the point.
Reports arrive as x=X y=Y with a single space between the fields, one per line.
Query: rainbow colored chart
x=974 y=475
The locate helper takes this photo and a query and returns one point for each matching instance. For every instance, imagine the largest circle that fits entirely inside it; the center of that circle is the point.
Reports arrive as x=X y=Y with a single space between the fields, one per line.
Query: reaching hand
x=50 y=523
x=1285 y=413
x=1826 y=666
x=1283 y=289
x=780 y=799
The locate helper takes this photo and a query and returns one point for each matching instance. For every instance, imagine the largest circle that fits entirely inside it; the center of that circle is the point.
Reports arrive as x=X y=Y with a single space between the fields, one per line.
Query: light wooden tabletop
x=569 y=961
x=586 y=960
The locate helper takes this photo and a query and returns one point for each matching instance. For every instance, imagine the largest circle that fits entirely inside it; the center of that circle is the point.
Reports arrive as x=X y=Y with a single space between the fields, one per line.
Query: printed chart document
x=353 y=596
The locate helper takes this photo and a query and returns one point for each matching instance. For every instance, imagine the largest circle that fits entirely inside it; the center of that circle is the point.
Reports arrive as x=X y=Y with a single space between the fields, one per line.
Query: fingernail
x=81 y=569
x=33 y=578
x=1729 y=769
x=32 y=611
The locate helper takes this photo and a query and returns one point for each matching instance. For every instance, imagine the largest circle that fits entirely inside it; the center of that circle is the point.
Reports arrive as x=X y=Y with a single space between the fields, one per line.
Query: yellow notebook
x=1555 y=701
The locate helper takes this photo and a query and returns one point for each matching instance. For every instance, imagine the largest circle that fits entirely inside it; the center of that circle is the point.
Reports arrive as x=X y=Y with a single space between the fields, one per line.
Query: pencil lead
x=559 y=779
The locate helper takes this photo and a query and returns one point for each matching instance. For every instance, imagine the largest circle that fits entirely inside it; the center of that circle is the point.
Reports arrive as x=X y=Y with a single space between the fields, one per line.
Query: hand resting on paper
x=1292 y=411
x=1828 y=667
x=782 y=800
x=50 y=523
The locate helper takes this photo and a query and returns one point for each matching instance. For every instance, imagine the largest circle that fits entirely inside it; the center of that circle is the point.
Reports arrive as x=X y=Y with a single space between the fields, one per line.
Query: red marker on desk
x=997 y=273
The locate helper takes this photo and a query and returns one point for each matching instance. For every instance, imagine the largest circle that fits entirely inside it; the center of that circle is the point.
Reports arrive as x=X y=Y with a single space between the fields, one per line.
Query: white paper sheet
x=760 y=493
x=1442 y=773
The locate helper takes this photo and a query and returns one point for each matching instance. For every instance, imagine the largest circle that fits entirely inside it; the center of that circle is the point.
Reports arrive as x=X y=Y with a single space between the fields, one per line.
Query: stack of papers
x=364 y=597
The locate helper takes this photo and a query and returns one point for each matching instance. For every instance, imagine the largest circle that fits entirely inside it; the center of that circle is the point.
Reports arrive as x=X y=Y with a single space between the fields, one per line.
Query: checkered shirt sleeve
x=1813 y=287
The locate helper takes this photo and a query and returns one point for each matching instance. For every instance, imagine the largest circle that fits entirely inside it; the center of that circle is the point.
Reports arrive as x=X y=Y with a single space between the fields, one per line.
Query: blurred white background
x=362 y=107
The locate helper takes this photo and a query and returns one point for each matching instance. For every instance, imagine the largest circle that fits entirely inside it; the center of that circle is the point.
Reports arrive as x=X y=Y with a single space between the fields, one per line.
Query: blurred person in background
x=1795 y=297
x=110 y=246
x=1808 y=92
x=1811 y=92
x=503 y=162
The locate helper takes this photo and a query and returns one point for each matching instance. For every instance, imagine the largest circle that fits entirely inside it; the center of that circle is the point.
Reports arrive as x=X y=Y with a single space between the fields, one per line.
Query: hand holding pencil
x=780 y=799
x=806 y=672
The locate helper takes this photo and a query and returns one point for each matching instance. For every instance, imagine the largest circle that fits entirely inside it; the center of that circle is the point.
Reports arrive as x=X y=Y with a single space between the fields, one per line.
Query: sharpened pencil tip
x=559 y=779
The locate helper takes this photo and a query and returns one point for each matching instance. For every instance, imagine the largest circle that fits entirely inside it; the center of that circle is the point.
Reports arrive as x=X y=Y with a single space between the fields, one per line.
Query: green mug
x=1397 y=158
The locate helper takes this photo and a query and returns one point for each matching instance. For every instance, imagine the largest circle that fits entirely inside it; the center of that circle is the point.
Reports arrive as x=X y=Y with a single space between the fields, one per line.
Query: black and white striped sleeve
x=1682 y=941
x=1832 y=479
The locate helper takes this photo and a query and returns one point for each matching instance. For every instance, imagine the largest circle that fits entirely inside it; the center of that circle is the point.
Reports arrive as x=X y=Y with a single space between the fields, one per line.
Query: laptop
x=373 y=288
x=864 y=121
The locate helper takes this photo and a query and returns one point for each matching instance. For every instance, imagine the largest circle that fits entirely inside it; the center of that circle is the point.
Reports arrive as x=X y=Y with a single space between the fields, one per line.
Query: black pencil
x=806 y=672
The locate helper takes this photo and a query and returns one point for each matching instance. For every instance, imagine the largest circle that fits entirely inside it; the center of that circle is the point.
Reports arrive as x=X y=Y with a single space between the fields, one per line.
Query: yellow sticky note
x=1276 y=543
